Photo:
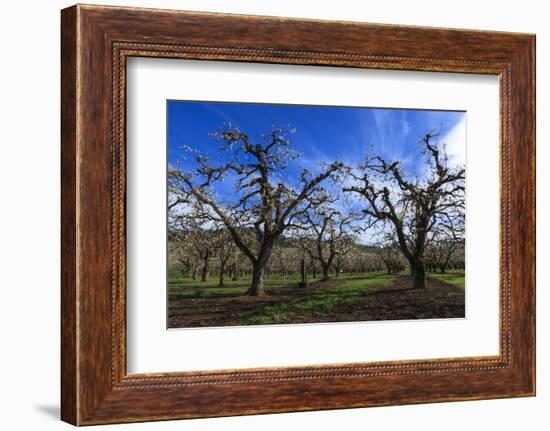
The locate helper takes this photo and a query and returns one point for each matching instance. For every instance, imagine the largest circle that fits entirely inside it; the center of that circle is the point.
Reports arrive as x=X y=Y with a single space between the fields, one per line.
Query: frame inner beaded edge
x=119 y=378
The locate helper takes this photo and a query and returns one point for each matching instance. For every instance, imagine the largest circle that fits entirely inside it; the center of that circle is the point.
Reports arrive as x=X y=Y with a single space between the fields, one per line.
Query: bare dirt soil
x=399 y=301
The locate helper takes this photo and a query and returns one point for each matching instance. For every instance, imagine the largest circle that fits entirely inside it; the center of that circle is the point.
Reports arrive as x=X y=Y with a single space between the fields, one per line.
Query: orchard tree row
x=280 y=218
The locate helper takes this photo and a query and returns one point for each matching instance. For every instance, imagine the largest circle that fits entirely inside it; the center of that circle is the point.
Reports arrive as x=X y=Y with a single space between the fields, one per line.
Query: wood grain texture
x=96 y=41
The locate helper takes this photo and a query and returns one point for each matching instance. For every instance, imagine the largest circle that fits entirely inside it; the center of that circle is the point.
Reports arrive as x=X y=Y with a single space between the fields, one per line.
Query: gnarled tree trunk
x=222 y=275
x=326 y=271
x=418 y=270
x=258 y=271
x=235 y=272
x=257 y=284
x=206 y=268
x=303 y=273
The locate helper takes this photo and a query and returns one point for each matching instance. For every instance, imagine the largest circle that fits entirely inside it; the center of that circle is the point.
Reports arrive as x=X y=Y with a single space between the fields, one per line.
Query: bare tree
x=184 y=257
x=225 y=251
x=411 y=206
x=285 y=257
x=196 y=242
x=369 y=261
x=263 y=202
x=201 y=240
x=446 y=241
x=236 y=267
x=328 y=235
x=392 y=257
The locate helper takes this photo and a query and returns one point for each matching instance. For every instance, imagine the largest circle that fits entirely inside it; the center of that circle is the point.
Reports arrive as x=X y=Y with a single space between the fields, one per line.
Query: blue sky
x=323 y=133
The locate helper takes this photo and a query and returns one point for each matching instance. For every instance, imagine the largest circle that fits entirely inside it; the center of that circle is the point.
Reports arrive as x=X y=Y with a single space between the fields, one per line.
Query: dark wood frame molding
x=95 y=43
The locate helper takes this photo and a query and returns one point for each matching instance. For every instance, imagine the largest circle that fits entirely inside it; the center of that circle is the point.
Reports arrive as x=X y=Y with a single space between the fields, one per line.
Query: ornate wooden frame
x=95 y=42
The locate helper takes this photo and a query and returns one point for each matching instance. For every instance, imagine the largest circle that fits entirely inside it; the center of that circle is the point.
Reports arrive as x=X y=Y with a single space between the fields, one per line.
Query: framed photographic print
x=268 y=215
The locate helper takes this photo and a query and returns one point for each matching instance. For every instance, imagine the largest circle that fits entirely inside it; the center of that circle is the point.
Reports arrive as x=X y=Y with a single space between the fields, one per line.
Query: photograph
x=289 y=214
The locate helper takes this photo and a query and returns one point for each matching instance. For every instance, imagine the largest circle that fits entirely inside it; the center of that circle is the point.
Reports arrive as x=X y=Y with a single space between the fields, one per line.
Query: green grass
x=320 y=301
x=179 y=287
x=454 y=277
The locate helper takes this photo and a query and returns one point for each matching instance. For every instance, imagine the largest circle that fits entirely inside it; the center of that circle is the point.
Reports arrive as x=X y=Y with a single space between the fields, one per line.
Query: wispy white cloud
x=455 y=141
x=405 y=128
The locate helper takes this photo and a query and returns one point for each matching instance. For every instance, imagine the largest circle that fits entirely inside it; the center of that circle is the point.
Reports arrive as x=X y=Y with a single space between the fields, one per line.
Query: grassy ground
x=346 y=289
x=454 y=277
x=178 y=286
x=349 y=297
